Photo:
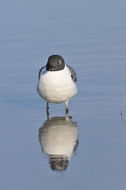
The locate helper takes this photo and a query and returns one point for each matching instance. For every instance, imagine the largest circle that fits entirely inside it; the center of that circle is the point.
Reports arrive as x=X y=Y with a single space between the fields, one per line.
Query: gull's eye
x=59 y=62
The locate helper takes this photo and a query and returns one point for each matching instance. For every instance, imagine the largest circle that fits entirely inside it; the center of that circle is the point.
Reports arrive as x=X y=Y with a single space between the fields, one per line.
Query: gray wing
x=73 y=74
x=40 y=72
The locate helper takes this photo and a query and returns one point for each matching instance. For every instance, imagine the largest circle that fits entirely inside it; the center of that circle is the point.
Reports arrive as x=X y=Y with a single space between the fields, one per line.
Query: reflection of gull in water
x=59 y=139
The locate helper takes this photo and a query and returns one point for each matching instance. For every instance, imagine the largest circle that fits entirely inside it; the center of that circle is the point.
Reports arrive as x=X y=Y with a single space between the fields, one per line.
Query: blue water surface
x=91 y=36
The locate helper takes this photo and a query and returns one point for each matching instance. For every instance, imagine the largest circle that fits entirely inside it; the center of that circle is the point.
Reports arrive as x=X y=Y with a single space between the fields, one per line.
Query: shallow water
x=91 y=36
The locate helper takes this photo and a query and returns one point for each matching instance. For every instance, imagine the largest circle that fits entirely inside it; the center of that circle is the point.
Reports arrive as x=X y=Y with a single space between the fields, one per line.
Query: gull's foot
x=67 y=110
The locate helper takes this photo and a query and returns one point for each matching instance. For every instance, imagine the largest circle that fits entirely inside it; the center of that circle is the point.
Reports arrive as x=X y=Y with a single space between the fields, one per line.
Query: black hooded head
x=55 y=63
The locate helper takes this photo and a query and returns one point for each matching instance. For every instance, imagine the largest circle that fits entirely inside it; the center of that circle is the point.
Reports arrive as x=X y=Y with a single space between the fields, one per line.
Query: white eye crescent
x=59 y=62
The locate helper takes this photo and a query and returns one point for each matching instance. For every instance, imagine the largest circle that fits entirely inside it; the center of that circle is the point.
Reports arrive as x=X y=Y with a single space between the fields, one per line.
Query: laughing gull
x=57 y=82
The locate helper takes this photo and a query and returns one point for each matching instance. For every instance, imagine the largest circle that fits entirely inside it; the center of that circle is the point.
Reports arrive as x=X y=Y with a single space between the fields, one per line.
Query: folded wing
x=73 y=74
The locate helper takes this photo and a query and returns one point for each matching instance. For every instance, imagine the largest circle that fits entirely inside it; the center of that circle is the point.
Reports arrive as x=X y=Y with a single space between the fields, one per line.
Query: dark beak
x=49 y=67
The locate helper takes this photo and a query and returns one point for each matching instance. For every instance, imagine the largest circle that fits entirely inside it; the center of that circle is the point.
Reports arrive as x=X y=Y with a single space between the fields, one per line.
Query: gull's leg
x=47 y=109
x=47 y=114
x=66 y=107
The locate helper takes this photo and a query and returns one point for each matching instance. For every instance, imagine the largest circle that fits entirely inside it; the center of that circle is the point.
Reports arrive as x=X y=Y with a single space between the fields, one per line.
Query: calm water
x=91 y=36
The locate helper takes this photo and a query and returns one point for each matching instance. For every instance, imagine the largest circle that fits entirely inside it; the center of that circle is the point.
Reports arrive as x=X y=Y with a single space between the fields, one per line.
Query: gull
x=57 y=82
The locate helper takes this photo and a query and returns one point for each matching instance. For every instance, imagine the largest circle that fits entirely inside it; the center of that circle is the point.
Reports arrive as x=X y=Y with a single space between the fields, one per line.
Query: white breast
x=56 y=86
